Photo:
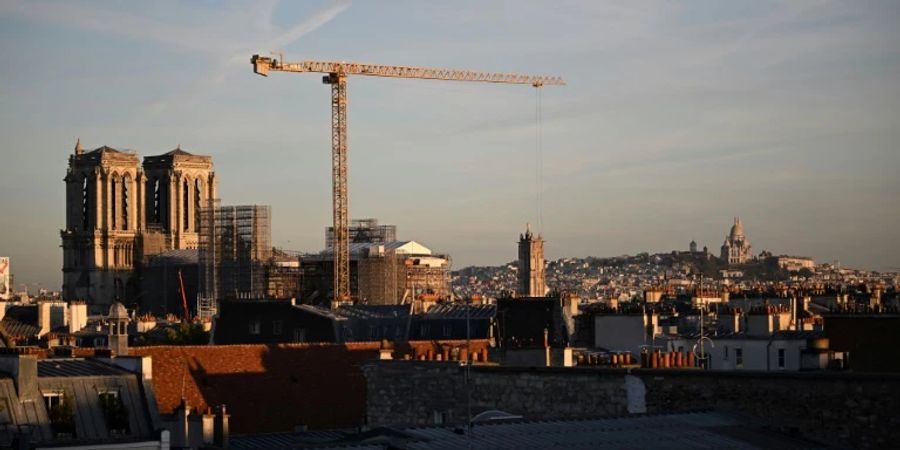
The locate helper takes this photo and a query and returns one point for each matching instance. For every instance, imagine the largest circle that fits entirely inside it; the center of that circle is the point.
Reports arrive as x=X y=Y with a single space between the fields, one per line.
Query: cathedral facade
x=119 y=212
x=736 y=249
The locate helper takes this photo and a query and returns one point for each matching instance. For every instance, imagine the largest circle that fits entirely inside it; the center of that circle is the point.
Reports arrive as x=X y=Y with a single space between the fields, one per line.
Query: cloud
x=227 y=36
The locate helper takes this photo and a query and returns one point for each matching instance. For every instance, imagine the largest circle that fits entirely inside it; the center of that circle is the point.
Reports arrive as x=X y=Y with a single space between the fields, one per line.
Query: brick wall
x=858 y=410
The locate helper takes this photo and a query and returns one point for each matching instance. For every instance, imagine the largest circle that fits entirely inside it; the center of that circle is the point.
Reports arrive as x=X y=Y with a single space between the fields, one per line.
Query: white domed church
x=736 y=249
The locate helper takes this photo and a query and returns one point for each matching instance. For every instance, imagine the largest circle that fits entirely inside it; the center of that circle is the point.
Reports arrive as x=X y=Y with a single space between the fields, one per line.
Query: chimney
x=181 y=430
x=23 y=370
x=77 y=315
x=43 y=317
x=220 y=427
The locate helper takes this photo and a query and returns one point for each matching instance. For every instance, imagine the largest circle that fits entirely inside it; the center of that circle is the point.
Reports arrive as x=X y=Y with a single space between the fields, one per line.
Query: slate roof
x=76 y=368
x=19 y=322
x=458 y=311
x=176 y=257
x=374 y=311
x=671 y=431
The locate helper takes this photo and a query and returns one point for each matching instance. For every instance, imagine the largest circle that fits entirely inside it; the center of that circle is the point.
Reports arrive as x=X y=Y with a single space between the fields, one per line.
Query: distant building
x=795 y=263
x=531 y=265
x=118 y=213
x=380 y=274
x=736 y=249
x=693 y=247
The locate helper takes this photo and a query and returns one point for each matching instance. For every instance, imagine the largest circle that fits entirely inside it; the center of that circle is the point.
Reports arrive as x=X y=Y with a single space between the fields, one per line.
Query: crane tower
x=336 y=74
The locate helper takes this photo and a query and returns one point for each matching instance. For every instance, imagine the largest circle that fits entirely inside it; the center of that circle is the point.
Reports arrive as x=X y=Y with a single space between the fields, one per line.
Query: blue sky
x=677 y=116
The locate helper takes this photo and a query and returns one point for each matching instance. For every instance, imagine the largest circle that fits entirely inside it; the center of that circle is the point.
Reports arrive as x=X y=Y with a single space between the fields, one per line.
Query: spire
x=79 y=150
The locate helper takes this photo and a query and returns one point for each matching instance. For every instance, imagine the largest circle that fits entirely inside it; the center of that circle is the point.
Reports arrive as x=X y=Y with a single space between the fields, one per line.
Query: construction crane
x=336 y=74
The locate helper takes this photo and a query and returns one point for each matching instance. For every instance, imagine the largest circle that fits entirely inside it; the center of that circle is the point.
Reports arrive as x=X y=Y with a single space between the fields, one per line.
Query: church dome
x=737 y=230
x=118 y=311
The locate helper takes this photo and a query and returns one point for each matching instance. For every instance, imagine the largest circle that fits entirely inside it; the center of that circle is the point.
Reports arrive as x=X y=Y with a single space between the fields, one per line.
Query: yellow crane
x=336 y=74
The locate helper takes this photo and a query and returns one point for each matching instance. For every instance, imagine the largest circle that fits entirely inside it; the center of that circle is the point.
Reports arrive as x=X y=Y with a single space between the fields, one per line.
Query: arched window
x=126 y=182
x=157 y=208
x=113 y=200
x=85 y=199
x=198 y=188
x=186 y=204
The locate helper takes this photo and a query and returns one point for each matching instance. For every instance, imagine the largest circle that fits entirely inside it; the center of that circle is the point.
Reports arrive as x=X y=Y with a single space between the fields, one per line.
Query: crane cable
x=539 y=161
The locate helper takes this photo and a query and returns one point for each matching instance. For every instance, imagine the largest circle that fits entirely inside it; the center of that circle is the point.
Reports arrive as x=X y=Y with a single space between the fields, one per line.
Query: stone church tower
x=178 y=185
x=531 y=265
x=118 y=213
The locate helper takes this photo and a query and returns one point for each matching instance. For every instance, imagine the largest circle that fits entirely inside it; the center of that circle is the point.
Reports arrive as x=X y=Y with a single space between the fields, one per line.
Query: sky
x=676 y=117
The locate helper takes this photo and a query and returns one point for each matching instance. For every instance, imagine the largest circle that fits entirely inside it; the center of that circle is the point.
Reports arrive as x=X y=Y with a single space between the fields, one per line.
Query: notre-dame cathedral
x=119 y=212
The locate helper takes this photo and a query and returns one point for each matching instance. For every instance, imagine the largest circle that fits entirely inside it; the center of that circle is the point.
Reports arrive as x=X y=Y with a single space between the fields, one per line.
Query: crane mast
x=336 y=74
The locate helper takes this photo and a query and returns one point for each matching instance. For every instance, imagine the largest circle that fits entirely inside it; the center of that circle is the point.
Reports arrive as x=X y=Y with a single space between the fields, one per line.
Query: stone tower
x=531 y=265
x=118 y=213
x=103 y=217
x=178 y=185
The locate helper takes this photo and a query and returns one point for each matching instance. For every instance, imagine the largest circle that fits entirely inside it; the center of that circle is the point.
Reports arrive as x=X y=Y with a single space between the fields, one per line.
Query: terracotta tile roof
x=274 y=388
x=267 y=388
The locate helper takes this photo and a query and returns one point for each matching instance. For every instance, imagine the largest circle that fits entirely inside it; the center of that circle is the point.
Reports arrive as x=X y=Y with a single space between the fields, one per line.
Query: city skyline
x=751 y=114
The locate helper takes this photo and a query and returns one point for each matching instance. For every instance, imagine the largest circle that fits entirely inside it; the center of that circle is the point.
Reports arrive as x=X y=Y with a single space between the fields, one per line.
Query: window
x=114 y=411
x=186 y=198
x=157 y=207
x=60 y=412
x=276 y=327
x=299 y=335
x=781 y=358
x=126 y=181
x=85 y=199
x=725 y=354
x=423 y=331
x=448 y=330
x=254 y=326
x=52 y=399
x=440 y=417
x=738 y=358
x=198 y=188
x=114 y=204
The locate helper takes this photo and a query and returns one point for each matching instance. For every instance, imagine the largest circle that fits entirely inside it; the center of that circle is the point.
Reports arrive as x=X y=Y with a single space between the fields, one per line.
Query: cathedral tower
x=531 y=265
x=178 y=185
x=118 y=213
x=103 y=218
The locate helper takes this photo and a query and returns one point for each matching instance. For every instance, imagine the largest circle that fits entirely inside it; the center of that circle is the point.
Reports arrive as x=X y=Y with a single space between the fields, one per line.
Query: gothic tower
x=103 y=217
x=118 y=214
x=178 y=185
x=531 y=265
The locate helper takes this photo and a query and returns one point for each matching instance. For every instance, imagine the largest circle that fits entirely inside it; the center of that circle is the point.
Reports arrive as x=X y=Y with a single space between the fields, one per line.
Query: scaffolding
x=391 y=278
x=365 y=231
x=235 y=247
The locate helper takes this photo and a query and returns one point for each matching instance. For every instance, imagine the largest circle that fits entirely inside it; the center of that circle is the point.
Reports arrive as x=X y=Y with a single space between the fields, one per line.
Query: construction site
x=235 y=246
x=389 y=273
x=382 y=270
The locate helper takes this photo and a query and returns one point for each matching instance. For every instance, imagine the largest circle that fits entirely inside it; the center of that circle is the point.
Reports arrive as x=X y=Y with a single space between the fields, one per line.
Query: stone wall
x=416 y=393
x=858 y=410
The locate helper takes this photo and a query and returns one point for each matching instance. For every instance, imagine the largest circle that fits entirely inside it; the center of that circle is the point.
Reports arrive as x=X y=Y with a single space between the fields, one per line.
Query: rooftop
x=76 y=367
x=672 y=431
